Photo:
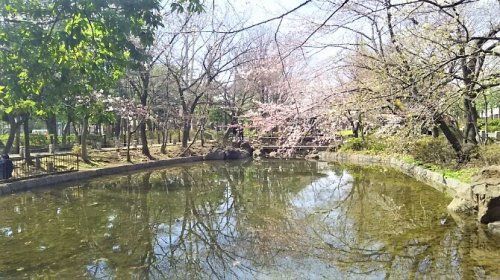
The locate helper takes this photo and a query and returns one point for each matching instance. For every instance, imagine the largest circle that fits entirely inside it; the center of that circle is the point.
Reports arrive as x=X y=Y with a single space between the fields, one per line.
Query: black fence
x=40 y=165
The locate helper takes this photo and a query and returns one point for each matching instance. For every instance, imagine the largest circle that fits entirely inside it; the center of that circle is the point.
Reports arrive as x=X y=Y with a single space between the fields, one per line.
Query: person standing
x=3 y=172
x=6 y=167
x=240 y=132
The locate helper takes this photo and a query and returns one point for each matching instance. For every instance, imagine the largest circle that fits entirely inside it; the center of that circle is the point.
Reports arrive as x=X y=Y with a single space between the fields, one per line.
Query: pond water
x=242 y=220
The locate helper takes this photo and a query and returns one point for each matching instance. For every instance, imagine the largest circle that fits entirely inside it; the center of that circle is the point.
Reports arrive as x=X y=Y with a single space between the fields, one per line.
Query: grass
x=108 y=158
x=347 y=132
x=462 y=173
x=433 y=154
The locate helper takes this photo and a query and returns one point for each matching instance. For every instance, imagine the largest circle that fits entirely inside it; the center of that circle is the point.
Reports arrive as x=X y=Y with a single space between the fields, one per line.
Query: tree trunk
x=117 y=127
x=355 y=130
x=145 y=77
x=51 y=123
x=85 y=132
x=123 y=134
x=202 y=135
x=185 y=131
x=165 y=136
x=144 y=140
x=471 y=118
x=435 y=132
x=452 y=139
x=66 y=131
x=486 y=116
x=164 y=140
x=17 y=142
x=129 y=138
x=14 y=128
x=26 y=130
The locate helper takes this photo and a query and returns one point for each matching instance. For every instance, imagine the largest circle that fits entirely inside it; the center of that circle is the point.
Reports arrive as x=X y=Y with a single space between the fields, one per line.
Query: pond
x=242 y=220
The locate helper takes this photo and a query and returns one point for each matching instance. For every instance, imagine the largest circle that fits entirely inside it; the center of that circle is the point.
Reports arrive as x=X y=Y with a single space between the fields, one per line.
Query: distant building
x=40 y=131
x=493 y=113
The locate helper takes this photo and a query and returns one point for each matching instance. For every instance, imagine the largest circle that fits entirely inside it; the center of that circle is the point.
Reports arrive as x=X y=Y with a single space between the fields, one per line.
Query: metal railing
x=41 y=165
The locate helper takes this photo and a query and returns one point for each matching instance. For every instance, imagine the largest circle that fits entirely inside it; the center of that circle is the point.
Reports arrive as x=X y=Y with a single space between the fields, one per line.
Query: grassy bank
x=432 y=153
x=108 y=158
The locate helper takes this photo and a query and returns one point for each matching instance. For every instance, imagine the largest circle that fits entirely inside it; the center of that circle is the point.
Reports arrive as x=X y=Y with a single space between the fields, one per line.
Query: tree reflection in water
x=375 y=223
x=238 y=220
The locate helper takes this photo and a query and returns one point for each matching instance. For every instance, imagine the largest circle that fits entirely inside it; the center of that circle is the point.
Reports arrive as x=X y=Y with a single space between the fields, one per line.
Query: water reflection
x=241 y=220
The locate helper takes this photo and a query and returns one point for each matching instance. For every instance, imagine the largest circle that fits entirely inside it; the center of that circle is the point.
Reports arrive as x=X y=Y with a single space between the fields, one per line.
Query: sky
x=255 y=11
x=297 y=26
x=484 y=13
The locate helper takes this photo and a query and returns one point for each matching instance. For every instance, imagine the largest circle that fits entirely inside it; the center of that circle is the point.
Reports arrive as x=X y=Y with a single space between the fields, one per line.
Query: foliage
x=37 y=140
x=346 y=133
x=74 y=47
x=432 y=150
x=354 y=144
x=493 y=124
x=77 y=150
x=209 y=135
x=69 y=138
x=3 y=139
x=490 y=154
x=216 y=115
x=370 y=144
x=192 y=6
x=463 y=174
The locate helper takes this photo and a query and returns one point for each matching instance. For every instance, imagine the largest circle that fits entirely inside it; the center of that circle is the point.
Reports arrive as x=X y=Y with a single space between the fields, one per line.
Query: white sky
x=297 y=26
x=485 y=13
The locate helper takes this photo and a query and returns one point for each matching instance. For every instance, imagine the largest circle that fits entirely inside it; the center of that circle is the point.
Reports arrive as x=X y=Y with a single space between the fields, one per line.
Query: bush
x=208 y=136
x=376 y=145
x=3 y=139
x=77 y=150
x=432 y=150
x=490 y=154
x=370 y=144
x=37 y=140
x=493 y=124
x=354 y=144
x=70 y=139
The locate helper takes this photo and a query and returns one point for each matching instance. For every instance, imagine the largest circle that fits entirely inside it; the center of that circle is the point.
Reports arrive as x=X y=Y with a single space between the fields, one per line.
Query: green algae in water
x=242 y=220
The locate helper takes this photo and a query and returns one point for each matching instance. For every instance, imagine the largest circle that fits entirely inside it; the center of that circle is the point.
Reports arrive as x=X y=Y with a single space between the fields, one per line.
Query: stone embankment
x=245 y=151
x=481 y=198
x=51 y=180
x=437 y=180
x=239 y=150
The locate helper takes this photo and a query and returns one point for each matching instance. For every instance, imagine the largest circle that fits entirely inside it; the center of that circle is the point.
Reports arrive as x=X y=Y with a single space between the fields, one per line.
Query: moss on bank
x=432 y=153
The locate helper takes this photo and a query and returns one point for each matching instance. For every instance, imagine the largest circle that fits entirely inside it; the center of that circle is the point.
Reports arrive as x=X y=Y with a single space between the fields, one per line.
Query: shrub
x=37 y=140
x=399 y=145
x=354 y=144
x=432 y=150
x=70 y=139
x=208 y=136
x=77 y=150
x=376 y=145
x=3 y=138
x=174 y=134
x=370 y=144
x=493 y=124
x=490 y=154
